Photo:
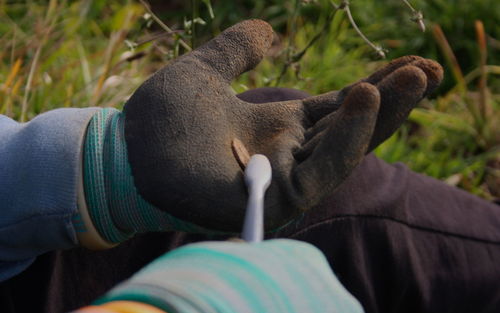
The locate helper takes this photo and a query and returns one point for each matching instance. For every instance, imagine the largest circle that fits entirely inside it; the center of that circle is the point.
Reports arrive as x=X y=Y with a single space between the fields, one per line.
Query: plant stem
x=194 y=15
x=165 y=27
x=483 y=52
x=418 y=17
x=345 y=6
x=291 y=37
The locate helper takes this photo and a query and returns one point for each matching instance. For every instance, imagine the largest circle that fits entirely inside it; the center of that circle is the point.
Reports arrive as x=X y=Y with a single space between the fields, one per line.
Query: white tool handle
x=258 y=175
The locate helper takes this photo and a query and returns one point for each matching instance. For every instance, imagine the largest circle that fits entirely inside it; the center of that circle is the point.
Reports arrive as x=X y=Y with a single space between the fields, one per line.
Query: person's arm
x=172 y=160
x=39 y=163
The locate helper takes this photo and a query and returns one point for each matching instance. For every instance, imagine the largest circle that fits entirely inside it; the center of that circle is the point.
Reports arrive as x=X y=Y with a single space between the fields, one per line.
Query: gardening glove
x=174 y=159
x=271 y=276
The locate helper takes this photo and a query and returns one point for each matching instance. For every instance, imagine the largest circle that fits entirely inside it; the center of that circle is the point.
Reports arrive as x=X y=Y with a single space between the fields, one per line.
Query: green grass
x=95 y=53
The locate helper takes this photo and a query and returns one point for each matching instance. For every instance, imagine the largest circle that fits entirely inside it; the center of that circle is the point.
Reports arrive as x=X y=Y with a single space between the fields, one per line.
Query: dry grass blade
x=34 y=64
x=116 y=39
x=450 y=57
x=165 y=27
x=6 y=89
x=13 y=93
x=12 y=75
x=484 y=106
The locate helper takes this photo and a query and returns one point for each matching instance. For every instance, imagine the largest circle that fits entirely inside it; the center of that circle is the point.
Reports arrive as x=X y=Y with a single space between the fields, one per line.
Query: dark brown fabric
x=403 y=242
x=397 y=240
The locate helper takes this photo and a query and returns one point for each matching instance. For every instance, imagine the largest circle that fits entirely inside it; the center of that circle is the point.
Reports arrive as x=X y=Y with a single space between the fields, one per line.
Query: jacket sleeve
x=39 y=163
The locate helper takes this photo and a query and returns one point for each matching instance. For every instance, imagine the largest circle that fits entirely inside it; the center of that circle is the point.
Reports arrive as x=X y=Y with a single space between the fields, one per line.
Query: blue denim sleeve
x=39 y=163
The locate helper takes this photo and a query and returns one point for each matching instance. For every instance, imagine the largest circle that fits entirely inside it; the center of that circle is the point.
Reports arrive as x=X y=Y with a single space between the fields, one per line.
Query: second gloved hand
x=272 y=276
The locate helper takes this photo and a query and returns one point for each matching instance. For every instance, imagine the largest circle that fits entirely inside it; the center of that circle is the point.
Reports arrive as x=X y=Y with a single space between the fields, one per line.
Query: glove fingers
x=433 y=71
x=326 y=120
x=237 y=49
x=400 y=92
x=394 y=65
x=341 y=147
x=308 y=147
x=317 y=107
x=319 y=127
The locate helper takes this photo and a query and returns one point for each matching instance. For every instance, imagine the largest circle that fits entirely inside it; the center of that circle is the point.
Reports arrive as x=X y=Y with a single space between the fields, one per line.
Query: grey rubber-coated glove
x=188 y=136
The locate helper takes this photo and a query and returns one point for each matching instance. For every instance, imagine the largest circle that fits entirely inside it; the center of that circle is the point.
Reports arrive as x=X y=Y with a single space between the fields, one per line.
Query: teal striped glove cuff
x=271 y=276
x=114 y=204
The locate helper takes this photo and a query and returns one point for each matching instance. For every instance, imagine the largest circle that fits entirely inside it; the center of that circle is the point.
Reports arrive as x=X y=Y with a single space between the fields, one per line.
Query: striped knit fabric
x=272 y=276
x=115 y=206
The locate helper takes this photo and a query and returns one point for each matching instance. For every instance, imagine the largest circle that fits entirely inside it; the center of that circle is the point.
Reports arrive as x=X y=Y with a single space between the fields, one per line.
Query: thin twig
x=409 y=5
x=156 y=36
x=379 y=50
x=417 y=17
x=165 y=27
x=290 y=43
x=298 y=56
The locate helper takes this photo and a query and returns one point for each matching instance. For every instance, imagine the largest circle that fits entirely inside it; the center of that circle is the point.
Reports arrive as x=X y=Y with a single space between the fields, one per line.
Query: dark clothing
x=397 y=240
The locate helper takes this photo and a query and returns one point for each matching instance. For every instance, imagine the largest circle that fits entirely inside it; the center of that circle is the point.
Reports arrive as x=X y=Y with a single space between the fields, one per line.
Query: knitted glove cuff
x=96 y=176
x=114 y=204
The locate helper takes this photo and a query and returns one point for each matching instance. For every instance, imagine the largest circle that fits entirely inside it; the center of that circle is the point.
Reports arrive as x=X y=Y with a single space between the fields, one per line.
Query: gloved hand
x=173 y=159
x=188 y=135
x=271 y=276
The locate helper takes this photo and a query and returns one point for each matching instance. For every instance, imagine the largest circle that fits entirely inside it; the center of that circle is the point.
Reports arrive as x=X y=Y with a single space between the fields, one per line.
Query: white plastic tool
x=258 y=175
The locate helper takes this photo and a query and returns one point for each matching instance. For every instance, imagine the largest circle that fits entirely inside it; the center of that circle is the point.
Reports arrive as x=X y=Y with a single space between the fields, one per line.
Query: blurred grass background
x=95 y=53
